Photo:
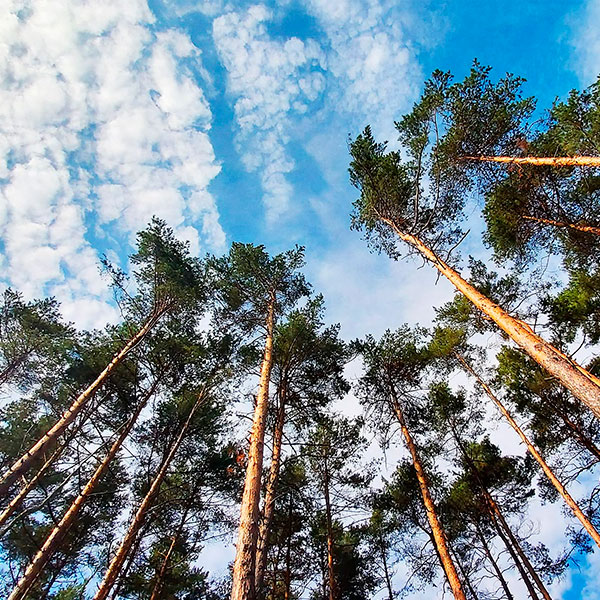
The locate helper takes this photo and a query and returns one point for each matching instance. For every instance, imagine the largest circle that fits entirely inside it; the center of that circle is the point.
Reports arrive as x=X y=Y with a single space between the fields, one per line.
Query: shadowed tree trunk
x=330 y=542
x=581 y=383
x=243 y=584
x=114 y=568
x=56 y=535
x=569 y=501
x=36 y=451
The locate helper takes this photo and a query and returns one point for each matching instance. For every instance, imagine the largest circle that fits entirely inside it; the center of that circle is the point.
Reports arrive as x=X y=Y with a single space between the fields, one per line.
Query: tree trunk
x=515 y=543
x=581 y=383
x=269 y=506
x=386 y=572
x=56 y=535
x=549 y=161
x=580 y=435
x=330 y=542
x=495 y=566
x=288 y=556
x=243 y=584
x=436 y=527
x=577 y=227
x=26 y=461
x=569 y=501
x=117 y=562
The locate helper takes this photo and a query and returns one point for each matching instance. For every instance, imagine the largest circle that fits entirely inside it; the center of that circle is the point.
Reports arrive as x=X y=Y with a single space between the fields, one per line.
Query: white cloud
x=585 y=24
x=272 y=80
x=93 y=103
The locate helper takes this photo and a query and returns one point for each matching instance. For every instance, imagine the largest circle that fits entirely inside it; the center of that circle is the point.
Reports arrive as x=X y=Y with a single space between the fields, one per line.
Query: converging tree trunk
x=271 y=489
x=437 y=530
x=549 y=161
x=243 y=584
x=36 y=451
x=119 y=558
x=576 y=226
x=576 y=379
x=569 y=501
x=56 y=535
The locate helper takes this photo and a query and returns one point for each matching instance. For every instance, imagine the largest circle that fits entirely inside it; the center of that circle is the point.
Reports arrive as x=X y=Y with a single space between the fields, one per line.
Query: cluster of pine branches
x=125 y=455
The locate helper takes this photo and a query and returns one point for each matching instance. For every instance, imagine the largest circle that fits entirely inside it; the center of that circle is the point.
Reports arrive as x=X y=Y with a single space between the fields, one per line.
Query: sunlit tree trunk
x=576 y=226
x=52 y=542
x=243 y=584
x=581 y=383
x=36 y=451
x=548 y=161
x=437 y=530
x=560 y=488
x=271 y=489
x=116 y=563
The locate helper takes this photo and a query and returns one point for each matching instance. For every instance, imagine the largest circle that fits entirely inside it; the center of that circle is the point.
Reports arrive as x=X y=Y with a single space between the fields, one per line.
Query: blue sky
x=230 y=120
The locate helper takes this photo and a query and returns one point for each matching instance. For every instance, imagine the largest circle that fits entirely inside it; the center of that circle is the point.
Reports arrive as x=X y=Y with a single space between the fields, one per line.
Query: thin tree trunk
x=575 y=378
x=465 y=576
x=288 y=556
x=577 y=227
x=517 y=546
x=495 y=566
x=243 y=584
x=269 y=506
x=386 y=572
x=330 y=543
x=53 y=540
x=26 y=461
x=576 y=430
x=437 y=530
x=569 y=501
x=549 y=161
x=117 y=562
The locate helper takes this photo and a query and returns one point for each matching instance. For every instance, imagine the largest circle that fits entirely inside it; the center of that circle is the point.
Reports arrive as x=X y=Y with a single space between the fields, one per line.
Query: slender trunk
x=577 y=227
x=26 y=461
x=495 y=566
x=465 y=577
x=53 y=540
x=517 y=546
x=243 y=585
x=263 y=537
x=165 y=563
x=575 y=378
x=330 y=543
x=560 y=488
x=549 y=161
x=288 y=556
x=437 y=530
x=577 y=432
x=386 y=572
x=117 y=562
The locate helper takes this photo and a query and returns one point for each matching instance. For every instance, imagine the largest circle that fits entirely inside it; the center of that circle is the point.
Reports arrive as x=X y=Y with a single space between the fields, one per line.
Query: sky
x=231 y=121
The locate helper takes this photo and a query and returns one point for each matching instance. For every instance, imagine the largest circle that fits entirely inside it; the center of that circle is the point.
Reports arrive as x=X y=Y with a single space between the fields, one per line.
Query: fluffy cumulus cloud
x=103 y=122
x=272 y=80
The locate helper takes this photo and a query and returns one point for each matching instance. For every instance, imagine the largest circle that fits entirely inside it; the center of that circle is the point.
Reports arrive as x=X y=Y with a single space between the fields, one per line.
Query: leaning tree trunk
x=26 y=461
x=560 y=488
x=263 y=537
x=548 y=161
x=52 y=542
x=576 y=226
x=138 y=520
x=330 y=544
x=244 y=566
x=437 y=530
x=581 y=383
x=494 y=563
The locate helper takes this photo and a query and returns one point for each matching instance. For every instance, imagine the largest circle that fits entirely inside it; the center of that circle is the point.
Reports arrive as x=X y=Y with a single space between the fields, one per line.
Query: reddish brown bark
x=56 y=535
x=576 y=226
x=269 y=506
x=549 y=161
x=560 y=488
x=576 y=379
x=243 y=584
x=439 y=536
x=116 y=563
x=36 y=451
